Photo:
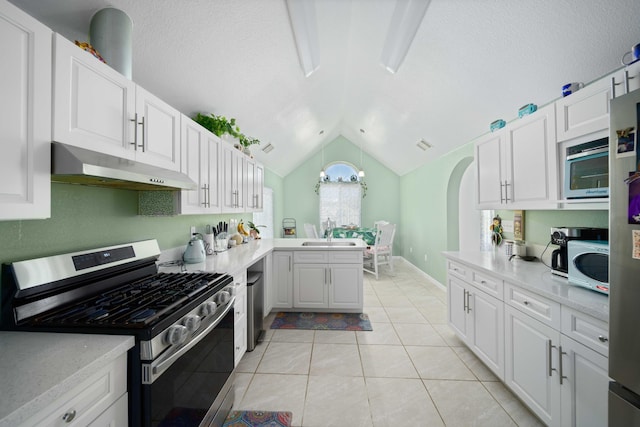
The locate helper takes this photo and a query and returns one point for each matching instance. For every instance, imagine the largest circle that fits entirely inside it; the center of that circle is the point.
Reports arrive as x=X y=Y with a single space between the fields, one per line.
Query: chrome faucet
x=329 y=230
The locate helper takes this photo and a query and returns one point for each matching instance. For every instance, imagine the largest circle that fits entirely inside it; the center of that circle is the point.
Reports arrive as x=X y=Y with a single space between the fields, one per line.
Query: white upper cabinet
x=254 y=185
x=93 y=104
x=585 y=111
x=232 y=166
x=517 y=166
x=25 y=107
x=200 y=156
x=158 y=131
x=97 y=108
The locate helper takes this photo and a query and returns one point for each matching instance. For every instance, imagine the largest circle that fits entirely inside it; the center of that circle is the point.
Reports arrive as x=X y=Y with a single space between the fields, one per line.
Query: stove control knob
x=176 y=335
x=222 y=297
x=191 y=322
x=208 y=308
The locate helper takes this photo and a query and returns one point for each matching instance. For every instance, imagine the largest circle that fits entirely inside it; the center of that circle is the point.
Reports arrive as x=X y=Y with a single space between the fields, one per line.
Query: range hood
x=77 y=165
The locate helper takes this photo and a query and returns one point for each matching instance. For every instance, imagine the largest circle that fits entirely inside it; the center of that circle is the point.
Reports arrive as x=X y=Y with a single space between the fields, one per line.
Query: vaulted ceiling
x=471 y=62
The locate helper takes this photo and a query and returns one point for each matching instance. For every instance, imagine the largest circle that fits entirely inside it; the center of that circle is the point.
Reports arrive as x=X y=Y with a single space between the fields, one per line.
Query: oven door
x=193 y=387
x=587 y=176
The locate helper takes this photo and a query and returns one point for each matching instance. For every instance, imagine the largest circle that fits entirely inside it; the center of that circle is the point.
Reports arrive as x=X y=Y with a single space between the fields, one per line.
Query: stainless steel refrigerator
x=624 y=262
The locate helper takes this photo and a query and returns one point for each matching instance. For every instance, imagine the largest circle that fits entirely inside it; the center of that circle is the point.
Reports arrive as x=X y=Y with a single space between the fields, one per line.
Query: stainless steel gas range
x=180 y=371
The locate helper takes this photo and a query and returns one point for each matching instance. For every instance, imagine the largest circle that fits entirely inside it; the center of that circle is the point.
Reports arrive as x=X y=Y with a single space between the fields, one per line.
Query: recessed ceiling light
x=424 y=145
x=268 y=148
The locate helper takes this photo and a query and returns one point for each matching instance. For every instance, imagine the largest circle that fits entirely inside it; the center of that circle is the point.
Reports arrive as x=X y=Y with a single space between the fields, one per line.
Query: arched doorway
x=463 y=218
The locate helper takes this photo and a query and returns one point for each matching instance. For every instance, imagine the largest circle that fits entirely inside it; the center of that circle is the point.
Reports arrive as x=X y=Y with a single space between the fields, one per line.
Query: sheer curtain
x=341 y=202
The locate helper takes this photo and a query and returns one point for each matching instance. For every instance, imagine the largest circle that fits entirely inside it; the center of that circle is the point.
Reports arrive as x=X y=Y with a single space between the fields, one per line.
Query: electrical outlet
x=425 y=257
x=193 y=230
x=410 y=250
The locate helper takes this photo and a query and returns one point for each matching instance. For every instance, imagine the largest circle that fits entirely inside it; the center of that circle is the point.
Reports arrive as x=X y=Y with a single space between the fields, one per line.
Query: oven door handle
x=161 y=364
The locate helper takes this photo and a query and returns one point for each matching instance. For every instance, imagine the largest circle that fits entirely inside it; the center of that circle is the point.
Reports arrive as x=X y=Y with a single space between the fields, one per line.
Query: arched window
x=340 y=194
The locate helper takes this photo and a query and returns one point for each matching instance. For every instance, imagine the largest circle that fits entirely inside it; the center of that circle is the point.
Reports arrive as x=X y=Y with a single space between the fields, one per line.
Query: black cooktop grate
x=137 y=304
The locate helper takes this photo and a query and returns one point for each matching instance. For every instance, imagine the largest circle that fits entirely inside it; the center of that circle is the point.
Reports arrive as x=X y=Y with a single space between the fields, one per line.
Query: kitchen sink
x=328 y=244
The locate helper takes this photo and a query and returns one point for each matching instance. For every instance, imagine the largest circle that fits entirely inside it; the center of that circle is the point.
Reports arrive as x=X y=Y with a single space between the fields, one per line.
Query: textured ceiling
x=472 y=61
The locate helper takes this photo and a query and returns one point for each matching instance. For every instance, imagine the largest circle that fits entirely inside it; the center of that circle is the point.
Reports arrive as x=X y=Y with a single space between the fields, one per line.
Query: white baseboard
x=435 y=282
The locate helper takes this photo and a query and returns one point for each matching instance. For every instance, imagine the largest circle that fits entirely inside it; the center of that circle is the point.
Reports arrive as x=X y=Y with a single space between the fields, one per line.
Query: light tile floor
x=411 y=370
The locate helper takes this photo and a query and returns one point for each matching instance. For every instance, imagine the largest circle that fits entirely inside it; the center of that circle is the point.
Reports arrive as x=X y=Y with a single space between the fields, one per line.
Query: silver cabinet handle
x=289 y=262
x=69 y=416
x=143 y=138
x=613 y=87
x=135 y=131
x=525 y=302
x=204 y=189
x=602 y=338
x=464 y=301
x=550 y=368
x=506 y=192
x=501 y=198
x=560 y=353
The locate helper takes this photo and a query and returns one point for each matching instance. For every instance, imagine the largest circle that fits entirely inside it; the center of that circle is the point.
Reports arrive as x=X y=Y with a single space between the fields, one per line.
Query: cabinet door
x=116 y=415
x=230 y=193
x=345 y=286
x=214 y=196
x=158 y=131
x=585 y=111
x=457 y=307
x=25 y=107
x=633 y=77
x=195 y=164
x=310 y=283
x=487 y=337
x=585 y=388
x=258 y=183
x=532 y=170
x=489 y=165
x=93 y=104
x=531 y=365
x=249 y=187
x=282 y=279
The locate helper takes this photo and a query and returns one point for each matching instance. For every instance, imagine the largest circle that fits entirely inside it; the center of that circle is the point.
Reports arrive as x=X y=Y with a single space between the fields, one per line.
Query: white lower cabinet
x=100 y=400
x=327 y=286
x=531 y=368
x=317 y=280
x=282 y=280
x=562 y=381
x=478 y=319
x=553 y=357
x=240 y=317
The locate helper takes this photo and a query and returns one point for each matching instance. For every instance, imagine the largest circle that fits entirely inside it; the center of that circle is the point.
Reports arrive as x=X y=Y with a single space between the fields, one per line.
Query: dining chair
x=310 y=230
x=381 y=252
x=376 y=224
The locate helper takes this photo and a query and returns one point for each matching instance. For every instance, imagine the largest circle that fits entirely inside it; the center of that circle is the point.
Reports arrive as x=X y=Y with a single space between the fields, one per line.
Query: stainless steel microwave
x=586 y=172
x=589 y=264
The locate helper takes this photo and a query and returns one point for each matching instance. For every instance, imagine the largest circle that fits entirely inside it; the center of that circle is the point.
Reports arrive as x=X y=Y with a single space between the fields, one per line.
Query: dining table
x=368 y=234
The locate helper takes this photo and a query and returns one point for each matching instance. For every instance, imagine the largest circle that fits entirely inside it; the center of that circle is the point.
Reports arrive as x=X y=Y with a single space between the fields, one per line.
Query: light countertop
x=240 y=257
x=38 y=367
x=536 y=277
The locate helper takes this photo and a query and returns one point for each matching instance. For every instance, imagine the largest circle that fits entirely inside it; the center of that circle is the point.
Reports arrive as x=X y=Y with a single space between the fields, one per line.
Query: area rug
x=258 y=419
x=322 y=321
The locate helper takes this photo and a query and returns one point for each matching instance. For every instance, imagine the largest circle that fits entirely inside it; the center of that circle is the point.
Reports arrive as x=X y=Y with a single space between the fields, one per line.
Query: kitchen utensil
x=195 y=252
x=634 y=55
x=208 y=243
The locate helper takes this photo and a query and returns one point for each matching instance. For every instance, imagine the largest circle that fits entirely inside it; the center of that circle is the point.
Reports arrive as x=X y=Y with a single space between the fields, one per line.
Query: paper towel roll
x=208 y=243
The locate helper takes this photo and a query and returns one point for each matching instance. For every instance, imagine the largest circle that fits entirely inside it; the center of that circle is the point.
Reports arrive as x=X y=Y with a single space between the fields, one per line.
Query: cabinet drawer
x=240 y=306
x=489 y=284
x=89 y=399
x=587 y=330
x=458 y=270
x=311 y=257
x=345 y=257
x=536 y=306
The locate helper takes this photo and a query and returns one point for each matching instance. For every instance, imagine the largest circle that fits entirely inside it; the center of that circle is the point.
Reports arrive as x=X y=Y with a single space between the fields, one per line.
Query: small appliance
x=195 y=252
x=589 y=264
x=562 y=235
x=586 y=172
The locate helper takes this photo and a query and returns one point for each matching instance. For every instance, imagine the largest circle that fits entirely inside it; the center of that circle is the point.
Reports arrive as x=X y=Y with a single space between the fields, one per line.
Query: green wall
x=276 y=183
x=427 y=195
x=537 y=224
x=382 y=201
